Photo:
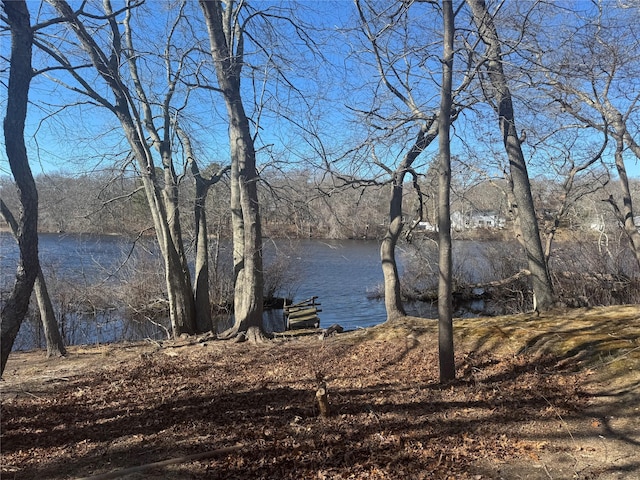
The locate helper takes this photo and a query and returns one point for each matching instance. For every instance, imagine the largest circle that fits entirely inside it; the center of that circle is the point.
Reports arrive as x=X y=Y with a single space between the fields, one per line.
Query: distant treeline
x=296 y=205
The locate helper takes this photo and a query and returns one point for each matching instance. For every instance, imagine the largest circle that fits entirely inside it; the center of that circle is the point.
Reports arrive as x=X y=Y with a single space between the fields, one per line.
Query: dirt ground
x=554 y=396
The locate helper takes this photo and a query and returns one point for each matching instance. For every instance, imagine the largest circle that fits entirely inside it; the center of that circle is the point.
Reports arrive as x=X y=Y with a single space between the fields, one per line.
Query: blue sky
x=84 y=138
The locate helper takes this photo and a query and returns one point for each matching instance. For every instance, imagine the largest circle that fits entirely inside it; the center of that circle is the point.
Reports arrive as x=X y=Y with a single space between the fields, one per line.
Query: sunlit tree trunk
x=392 y=286
x=162 y=203
x=524 y=208
x=226 y=42
x=20 y=73
x=392 y=291
x=445 y=263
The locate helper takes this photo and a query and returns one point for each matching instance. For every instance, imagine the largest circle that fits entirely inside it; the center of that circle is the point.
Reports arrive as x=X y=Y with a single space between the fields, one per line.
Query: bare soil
x=554 y=396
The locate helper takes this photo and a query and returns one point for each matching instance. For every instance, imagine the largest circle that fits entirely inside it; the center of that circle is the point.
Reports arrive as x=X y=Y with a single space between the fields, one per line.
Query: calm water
x=340 y=273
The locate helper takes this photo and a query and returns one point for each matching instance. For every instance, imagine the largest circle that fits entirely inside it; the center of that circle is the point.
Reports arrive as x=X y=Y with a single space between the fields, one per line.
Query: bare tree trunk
x=180 y=295
x=625 y=216
x=524 y=208
x=163 y=205
x=428 y=131
x=392 y=296
x=445 y=263
x=55 y=344
x=201 y=286
x=20 y=74
x=225 y=38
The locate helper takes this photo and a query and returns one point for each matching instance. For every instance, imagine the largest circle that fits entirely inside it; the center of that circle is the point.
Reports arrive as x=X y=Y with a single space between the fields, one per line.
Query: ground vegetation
x=537 y=397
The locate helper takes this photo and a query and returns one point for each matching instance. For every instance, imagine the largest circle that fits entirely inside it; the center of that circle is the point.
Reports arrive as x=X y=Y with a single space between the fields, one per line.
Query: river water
x=340 y=273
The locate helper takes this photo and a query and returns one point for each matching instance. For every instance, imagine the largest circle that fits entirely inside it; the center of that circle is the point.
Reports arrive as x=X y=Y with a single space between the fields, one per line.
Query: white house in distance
x=469 y=220
x=477 y=219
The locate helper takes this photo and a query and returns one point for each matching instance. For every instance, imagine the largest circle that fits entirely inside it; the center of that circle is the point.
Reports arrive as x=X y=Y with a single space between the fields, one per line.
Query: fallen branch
x=164 y=463
x=500 y=283
x=470 y=291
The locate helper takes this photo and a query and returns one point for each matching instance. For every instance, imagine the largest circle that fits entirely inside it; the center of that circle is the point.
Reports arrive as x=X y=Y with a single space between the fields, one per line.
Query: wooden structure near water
x=302 y=314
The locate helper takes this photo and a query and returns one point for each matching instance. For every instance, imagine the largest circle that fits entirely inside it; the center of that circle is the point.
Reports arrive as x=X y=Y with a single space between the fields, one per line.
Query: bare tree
x=20 y=75
x=226 y=38
x=427 y=130
x=201 y=283
x=580 y=179
x=587 y=75
x=522 y=205
x=445 y=262
x=134 y=110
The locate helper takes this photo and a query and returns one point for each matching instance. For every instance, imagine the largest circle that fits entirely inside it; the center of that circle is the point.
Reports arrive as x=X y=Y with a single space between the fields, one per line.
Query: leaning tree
x=496 y=86
x=20 y=75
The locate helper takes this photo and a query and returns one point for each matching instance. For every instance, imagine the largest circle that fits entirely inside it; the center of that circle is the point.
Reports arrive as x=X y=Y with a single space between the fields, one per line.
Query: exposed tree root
x=252 y=334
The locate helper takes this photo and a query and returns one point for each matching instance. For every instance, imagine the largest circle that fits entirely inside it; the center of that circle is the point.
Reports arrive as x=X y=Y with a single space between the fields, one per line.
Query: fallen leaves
x=390 y=418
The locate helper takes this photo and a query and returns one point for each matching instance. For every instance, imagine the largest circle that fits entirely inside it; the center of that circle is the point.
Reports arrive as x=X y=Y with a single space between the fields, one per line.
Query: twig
x=33 y=395
x=562 y=420
x=164 y=463
x=621 y=356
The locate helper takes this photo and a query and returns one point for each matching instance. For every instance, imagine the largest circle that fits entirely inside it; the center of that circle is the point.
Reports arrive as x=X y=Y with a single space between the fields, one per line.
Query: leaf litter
x=537 y=397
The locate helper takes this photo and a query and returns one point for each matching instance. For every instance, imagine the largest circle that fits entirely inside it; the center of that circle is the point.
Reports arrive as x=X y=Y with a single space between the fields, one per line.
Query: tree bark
x=445 y=263
x=20 y=74
x=201 y=285
x=226 y=44
x=523 y=208
x=54 y=341
x=427 y=133
x=392 y=295
x=163 y=205
x=625 y=215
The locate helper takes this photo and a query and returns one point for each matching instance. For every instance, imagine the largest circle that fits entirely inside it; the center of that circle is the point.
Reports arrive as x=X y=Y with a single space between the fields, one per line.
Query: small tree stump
x=323 y=402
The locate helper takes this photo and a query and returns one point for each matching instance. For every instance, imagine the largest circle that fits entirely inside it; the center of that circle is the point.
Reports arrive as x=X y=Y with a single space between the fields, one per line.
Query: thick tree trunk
x=523 y=208
x=179 y=276
x=20 y=73
x=247 y=235
x=247 y=231
x=392 y=296
x=445 y=263
x=55 y=344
